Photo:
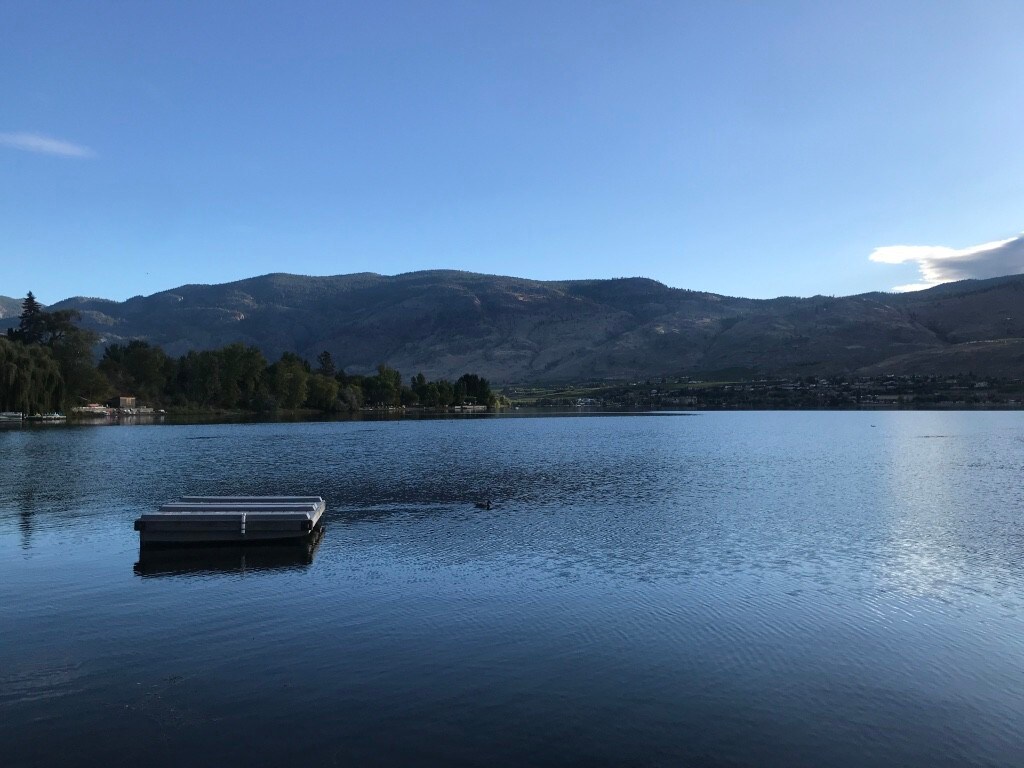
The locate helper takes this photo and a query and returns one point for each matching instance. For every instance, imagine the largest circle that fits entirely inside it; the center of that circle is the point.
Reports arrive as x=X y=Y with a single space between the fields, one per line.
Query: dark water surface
x=726 y=589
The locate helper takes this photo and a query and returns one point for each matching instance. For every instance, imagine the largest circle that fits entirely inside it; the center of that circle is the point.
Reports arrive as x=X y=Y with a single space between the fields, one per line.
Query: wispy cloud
x=940 y=264
x=33 y=142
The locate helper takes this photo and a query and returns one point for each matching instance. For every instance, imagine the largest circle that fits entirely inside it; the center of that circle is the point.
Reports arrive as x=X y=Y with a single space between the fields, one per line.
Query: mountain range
x=445 y=323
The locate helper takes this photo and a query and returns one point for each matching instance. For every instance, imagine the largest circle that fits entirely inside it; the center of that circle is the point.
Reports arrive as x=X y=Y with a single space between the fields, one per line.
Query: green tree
x=30 y=378
x=30 y=329
x=384 y=389
x=198 y=379
x=241 y=375
x=252 y=374
x=351 y=396
x=289 y=381
x=69 y=346
x=418 y=381
x=431 y=396
x=72 y=349
x=445 y=393
x=325 y=364
x=322 y=392
x=475 y=389
x=139 y=369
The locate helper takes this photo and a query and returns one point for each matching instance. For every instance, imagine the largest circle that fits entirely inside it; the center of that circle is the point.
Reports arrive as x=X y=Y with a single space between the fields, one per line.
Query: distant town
x=911 y=392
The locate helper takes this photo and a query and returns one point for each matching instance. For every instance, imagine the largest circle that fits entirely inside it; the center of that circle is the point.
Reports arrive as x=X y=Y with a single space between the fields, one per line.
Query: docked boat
x=92 y=410
x=11 y=416
x=46 y=417
x=199 y=519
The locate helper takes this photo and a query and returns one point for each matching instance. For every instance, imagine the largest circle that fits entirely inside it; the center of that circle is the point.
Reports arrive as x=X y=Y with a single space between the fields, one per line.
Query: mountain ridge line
x=511 y=329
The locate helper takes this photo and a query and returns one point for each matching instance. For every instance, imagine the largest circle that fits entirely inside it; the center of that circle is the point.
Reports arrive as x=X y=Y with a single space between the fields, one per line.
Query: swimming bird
x=482 y=504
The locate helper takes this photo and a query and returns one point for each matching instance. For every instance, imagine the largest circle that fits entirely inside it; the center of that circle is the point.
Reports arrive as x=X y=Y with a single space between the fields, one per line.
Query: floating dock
x=233 y=519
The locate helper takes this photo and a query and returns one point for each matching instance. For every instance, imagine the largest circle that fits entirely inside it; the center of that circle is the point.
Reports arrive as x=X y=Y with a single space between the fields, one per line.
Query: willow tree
x=30 y=379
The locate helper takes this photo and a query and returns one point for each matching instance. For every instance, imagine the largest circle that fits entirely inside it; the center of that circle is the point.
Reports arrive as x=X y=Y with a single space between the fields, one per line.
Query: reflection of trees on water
x=26 y=522
x=26 y=500
x=41 y=472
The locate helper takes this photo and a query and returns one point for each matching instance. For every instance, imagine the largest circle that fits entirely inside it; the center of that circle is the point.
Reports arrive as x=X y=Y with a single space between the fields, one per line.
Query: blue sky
x=754 y=149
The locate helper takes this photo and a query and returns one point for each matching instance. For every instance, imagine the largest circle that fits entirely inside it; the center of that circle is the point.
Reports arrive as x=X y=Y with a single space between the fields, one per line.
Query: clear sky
x=746 y=148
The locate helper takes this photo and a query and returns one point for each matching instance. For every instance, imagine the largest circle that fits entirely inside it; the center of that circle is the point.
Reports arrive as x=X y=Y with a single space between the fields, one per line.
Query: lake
x=719 y=589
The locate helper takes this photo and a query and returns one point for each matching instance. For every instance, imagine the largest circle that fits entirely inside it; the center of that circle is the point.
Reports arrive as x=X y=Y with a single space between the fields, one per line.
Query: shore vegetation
x=47 y=365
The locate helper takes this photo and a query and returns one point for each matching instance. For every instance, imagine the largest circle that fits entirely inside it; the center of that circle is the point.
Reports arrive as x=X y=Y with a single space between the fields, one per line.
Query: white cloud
x=33 y=142
x=940 y=264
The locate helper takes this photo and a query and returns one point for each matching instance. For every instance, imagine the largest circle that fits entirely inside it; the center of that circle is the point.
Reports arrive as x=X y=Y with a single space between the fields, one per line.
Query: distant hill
x=9 y=308
x=509 y=329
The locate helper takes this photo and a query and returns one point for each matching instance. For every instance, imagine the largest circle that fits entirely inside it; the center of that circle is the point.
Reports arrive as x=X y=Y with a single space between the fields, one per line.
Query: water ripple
x=728 y=589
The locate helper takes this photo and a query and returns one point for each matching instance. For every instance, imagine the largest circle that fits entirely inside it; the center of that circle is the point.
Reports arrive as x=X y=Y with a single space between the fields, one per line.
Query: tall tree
x=72 y=349
x=325 y=364
x=30 y=328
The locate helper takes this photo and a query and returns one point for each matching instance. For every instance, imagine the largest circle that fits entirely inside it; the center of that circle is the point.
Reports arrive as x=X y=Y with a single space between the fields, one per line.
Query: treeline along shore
x=47 y=364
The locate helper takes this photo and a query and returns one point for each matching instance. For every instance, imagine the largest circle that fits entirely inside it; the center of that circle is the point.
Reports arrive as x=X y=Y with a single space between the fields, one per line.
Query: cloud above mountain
x=941 y=264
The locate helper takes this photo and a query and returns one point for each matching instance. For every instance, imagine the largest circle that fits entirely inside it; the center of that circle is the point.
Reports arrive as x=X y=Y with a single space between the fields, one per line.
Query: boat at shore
x=93 y=411
x=11 y=416
x=46 y=417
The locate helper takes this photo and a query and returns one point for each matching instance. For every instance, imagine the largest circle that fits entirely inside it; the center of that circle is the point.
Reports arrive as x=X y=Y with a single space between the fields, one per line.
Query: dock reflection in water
x=205 y=559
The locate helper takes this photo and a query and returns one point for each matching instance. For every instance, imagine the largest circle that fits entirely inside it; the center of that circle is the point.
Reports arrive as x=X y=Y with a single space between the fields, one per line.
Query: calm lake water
x=723 y=589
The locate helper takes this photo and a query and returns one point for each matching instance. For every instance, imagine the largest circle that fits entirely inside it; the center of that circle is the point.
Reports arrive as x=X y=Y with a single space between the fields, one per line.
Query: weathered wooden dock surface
x=196 y=519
